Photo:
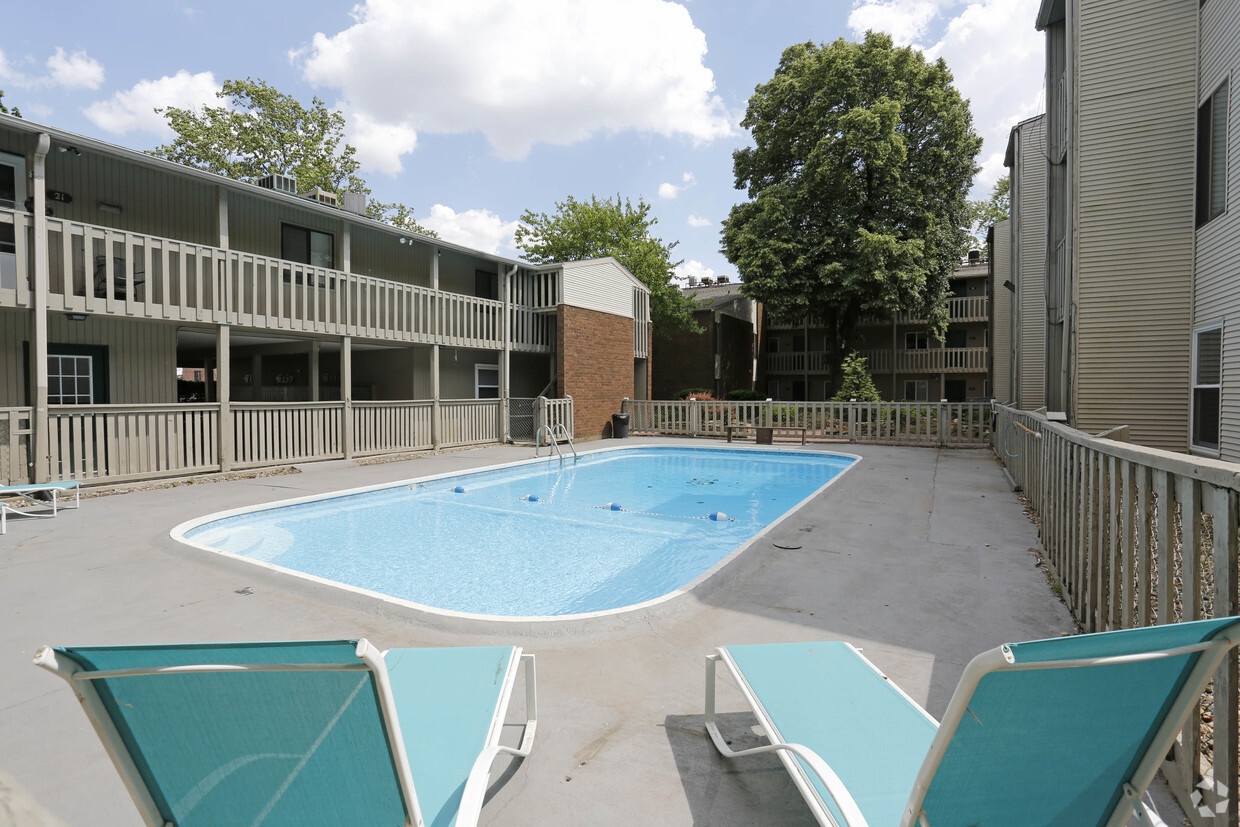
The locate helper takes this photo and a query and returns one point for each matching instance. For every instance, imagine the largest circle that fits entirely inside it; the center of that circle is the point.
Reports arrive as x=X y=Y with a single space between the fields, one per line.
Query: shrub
x=743 y=395
x=687 y=392
x=857 y=385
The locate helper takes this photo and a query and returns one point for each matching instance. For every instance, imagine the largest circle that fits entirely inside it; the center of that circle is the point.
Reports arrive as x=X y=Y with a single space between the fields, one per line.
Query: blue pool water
x=614 y=529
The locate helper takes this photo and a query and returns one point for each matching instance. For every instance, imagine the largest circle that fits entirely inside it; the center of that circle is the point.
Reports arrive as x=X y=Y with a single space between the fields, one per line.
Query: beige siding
x=1001 y=343
x=456 y=370
x=380 y=254
x=1029 y=261
x=1217 y=297
x=141 y=355
x=254 y=225
x=1134 y=186
x=599 y=285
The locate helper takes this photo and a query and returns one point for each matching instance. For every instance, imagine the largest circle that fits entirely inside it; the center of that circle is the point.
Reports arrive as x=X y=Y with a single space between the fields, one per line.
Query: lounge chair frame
x=27 y=492
x=999 y=659
x=370 y=659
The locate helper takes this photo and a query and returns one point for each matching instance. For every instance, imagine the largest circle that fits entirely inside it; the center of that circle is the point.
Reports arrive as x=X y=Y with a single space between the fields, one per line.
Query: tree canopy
x=262 y=131
x=857 y=182
x=15 y=112
x=989 y=211
x=580 y=230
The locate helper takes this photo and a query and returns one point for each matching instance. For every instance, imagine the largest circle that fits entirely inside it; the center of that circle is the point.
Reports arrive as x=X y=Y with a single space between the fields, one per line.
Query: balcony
x=929 y=360
x=959 y=310
x=796 y=362
x=97 y=270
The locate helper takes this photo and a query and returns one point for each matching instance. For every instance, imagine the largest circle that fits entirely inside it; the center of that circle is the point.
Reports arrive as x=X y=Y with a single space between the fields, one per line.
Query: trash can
x=619 y=425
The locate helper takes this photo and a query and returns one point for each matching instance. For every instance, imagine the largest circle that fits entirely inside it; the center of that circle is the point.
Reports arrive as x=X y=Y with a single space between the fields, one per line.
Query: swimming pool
x=619 y=527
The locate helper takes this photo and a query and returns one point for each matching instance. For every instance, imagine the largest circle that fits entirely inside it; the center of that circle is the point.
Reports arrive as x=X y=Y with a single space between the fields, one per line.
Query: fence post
x=944 y=423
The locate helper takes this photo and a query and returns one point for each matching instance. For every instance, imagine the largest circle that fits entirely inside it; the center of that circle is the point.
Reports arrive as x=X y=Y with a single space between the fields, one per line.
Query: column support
x=41 y=421
x=346 y=393
x=223 y=386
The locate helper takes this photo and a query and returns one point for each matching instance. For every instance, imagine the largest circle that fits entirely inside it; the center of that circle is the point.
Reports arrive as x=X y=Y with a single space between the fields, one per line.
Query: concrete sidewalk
x=921 y=557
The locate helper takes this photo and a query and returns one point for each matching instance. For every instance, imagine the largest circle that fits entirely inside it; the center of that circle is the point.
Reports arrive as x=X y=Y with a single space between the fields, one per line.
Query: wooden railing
x=469 y=421
x=943 y=423
x=556 y=412
x=274 y=433
x=15 y=447
x=384 y=427
x=1135 y=537
x=116 y=443
x=94 y=269
x=928 y=360
x=128 y=442
x=795 y=362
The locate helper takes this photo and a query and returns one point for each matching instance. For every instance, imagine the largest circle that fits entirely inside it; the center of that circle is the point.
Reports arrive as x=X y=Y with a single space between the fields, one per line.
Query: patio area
x=922 y=557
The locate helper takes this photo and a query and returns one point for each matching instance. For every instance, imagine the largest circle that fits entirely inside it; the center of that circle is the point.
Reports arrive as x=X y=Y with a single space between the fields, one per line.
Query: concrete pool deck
x=921 y=557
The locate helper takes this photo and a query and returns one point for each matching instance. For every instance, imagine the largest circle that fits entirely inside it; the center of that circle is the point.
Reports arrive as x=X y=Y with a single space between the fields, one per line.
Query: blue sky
x=472 y=111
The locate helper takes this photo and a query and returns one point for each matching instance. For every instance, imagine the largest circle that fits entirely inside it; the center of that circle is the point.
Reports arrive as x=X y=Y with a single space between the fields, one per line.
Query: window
x=916 y=341
x=306 y=246
x=486 y=285
x=1207 y=382
x=486 y=381
x=917 y=390
x=12 y=193
x=956 y=338
x=1212 y=156
x=70 y=380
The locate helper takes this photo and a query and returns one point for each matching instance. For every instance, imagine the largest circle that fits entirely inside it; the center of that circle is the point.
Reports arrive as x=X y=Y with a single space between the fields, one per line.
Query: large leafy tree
x=863 y=155
x=989 y=211
x=262 y=131
x=581 y=230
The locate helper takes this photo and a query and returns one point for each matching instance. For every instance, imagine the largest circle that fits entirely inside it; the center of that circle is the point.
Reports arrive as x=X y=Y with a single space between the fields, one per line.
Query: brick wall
x=594 y=365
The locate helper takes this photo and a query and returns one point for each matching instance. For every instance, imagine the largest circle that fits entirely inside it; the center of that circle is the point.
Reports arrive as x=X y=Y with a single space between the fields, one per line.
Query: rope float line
x=714 y=516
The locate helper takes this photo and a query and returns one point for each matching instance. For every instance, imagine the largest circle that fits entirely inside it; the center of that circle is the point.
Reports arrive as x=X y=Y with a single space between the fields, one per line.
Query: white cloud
x=380 y=145
x=697 y=221
x=76 y=71
x=669 y=190
x=10 y=74
x=696 y=269
x=478 y=229
x=133 y=109
x=993 y=50
x=549 y=71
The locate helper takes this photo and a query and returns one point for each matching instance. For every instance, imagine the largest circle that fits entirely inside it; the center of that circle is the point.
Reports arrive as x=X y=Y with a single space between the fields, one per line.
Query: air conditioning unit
x=721 y=280
x=322 y=196
x=354 y=202
x=279 y=183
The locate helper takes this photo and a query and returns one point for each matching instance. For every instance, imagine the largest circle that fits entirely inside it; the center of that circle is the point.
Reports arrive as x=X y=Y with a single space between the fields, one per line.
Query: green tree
x=262 y=131
x=857 y=181
x=857 y=383
x=15 y=112
x=989 y=211
x=581 y=230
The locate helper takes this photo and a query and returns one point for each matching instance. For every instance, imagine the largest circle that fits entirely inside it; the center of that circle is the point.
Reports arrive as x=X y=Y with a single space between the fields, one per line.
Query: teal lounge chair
x=27 y=493
x=1063 y=731
x=331 y=732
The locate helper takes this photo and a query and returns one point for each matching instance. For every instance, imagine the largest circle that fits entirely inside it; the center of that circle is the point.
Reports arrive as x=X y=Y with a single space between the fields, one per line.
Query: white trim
x=1196 y=448
x=478 y=386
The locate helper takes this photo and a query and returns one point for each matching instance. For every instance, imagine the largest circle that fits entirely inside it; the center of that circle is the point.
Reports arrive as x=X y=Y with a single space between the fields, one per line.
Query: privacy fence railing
x=1136 y=537
x=115 y=443
x=920 y=423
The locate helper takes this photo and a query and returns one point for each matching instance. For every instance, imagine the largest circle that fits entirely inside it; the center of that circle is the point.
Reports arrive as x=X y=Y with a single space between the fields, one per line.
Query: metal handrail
x=559 y=428
x=550 y=441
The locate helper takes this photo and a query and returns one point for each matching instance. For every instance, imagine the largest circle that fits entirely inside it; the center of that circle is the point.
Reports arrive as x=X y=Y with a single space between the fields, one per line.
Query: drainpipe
x=504 y=389
x=435 y=411
x=42 y=420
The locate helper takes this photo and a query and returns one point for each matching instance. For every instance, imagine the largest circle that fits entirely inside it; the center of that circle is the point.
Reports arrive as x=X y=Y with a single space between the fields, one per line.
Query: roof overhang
x=1052 y=11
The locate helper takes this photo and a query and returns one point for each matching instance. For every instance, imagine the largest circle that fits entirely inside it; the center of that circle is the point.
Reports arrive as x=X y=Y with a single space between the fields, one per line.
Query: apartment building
x=723 y=356
x=1135 y=320
x=904 y=360
x=324 y=333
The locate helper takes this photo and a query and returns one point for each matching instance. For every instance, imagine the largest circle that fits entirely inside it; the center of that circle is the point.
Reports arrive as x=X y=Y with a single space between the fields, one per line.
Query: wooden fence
x=921 y=423
x=1138 y=536
x=118 y=443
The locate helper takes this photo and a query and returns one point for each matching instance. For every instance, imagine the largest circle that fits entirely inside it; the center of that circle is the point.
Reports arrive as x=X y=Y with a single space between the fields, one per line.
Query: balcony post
x=223 y=381
x=346 y=393
x=42 y=419
x=504 y=364
x=436 y=425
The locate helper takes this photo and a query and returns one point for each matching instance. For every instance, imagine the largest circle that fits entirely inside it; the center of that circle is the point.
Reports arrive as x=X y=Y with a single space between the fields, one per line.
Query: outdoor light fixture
x=1008 y=284
x=104 y=206
x=76 y=317
x=72 y=149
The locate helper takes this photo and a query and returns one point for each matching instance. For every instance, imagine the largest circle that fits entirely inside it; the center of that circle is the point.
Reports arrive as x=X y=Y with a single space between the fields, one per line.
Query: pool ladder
x=552 y=442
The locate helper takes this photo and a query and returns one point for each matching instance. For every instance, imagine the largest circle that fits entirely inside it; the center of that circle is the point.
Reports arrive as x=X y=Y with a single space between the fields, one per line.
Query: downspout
x=42 y=420
x=504 y=388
